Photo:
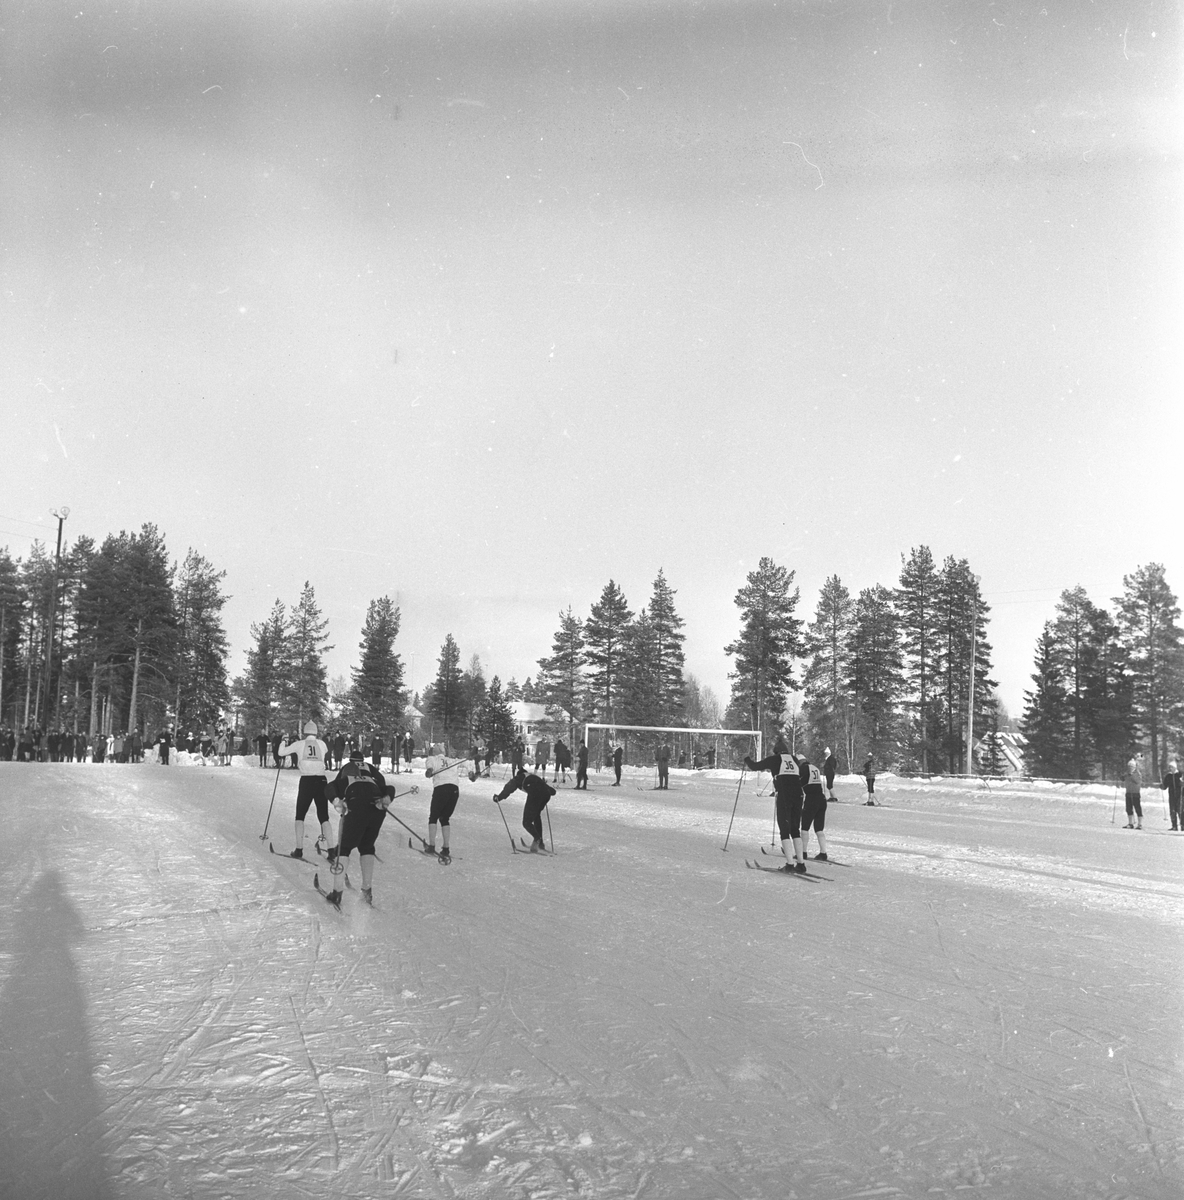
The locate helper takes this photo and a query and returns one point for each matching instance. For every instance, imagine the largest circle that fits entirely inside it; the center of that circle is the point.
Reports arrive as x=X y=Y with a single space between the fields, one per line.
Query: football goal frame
x=646 y=732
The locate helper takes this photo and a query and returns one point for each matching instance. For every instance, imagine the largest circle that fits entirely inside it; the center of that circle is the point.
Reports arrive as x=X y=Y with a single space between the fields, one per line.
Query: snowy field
x=985 y=997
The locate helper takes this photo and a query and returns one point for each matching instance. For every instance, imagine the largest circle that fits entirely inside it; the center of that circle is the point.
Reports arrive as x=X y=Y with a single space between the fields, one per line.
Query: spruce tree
x=1046 y=720
x=496 y=720
x=445 y=703
x=1148 y=620
x=877 y=679
x=561 y=674
x=769 y=640
x=473 y=691
x=307 y=645
x=606 y=641
x=827 y=677
x=377 y=697
x=262 y=688
x=12 y=605
x=201 y=687
x=668 y=656
x=1075 y=628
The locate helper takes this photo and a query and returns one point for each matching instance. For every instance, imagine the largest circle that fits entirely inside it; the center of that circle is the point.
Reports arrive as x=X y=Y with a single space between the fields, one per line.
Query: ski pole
x=743 y=772
x=507 y=825
x=549 y=833
x=773 y=830
x=263 y=835
x=1114 y=806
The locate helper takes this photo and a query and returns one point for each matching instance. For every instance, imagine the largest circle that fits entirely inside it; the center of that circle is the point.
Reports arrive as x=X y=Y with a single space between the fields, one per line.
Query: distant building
x=529 y=720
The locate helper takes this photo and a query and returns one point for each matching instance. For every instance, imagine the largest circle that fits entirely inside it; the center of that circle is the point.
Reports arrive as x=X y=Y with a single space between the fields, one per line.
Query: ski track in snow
x=985 y=998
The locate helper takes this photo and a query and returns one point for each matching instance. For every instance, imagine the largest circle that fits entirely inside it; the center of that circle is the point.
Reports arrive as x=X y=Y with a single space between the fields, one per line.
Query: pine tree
x=606 y=641
x=877 y=680
x=962 y=617
x=770 y=638
x=445 y=703
x=1045 y=723
x=1148 y=620
x=827 y=677
x=201 y=687
x=562 y=673
x=916 y=608
x=12 y=606
x=377 y=697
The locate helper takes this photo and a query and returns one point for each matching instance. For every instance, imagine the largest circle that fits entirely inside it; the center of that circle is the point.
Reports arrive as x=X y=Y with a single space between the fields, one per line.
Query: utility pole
x=970 y=704
x=53 y=608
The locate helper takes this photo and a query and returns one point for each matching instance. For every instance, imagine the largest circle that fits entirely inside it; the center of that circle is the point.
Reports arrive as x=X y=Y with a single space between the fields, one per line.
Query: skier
x=869 y=774
x=618 y=758
x=362 y=796
x=1172 y=785
x=1134 y=784
x=538 y=792
x=813 y=807
x=542 y=756
x=445 y=794
x=829 y=766
x=561 y=759
x=310 y=754
x=788 y=779
x=582 y=767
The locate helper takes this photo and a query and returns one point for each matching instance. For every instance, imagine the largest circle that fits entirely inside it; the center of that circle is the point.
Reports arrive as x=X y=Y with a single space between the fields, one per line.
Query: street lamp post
x=61 y=515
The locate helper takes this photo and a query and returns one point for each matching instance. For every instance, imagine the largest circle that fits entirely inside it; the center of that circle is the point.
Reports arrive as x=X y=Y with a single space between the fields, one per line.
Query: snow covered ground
x=985 y=997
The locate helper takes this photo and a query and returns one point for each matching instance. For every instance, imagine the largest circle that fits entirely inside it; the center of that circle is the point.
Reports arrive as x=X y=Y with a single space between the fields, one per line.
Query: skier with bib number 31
x=310 y=757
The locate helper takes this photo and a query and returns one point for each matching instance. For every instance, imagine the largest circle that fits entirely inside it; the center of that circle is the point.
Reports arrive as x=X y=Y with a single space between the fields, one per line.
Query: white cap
x=310 y=727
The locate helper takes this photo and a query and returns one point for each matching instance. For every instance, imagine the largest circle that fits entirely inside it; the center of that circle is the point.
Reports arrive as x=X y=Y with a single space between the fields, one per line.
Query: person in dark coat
x=165 y=741
x=1171 y=785
x=538 y=792
x=582 y=767
x=829 y=766
x=789 y=781
x=618 y=759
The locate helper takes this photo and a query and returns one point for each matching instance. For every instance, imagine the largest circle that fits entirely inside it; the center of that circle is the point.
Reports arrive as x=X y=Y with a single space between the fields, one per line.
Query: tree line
x=111 y=637
x=1107 y=682
x=118 y=636
x=894 y=673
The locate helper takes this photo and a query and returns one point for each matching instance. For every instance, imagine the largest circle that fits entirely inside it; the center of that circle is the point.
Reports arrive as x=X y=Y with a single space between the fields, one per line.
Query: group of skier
x=801 y=801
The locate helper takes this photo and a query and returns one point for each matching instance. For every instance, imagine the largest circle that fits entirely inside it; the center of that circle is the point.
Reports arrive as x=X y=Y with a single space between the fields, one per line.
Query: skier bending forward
x=538 y=792
x=361 y=795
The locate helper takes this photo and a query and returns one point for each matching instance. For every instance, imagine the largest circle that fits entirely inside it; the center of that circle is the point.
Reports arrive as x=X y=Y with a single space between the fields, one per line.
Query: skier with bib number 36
x=538 y=792
x=361 y=795
x=788 y=781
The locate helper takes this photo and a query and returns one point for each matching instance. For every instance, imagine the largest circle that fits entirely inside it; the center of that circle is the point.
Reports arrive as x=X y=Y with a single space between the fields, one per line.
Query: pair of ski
x=527 y=849
x=806 y=876
x=429 y=853
x=334 y=898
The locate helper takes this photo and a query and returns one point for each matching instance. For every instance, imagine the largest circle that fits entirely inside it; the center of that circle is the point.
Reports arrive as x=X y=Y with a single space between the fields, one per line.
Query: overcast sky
x=479 y=305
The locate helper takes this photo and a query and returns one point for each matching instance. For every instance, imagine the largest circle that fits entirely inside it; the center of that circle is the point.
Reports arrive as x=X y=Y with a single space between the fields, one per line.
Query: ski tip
x=316 y=880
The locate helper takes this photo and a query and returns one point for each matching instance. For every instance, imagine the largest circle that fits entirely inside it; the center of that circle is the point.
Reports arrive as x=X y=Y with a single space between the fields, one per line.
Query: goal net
x=690 y=749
